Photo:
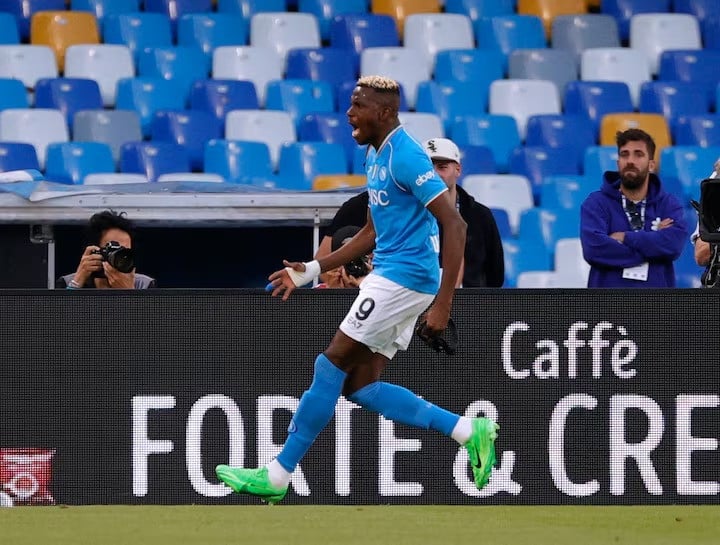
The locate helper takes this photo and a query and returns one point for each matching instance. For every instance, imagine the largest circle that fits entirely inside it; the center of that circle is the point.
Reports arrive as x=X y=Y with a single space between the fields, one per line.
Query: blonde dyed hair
x=379 y=83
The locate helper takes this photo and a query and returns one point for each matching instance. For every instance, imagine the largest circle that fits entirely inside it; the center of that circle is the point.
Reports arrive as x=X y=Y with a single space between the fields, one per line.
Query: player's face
x=364 y=115
x=634 y=164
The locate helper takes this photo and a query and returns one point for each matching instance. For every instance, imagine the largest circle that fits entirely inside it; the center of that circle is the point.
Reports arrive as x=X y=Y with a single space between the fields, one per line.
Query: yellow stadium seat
x=399 y=9
x=338 y=181
x=61 y=29
x=547 y=10
x=653 y=124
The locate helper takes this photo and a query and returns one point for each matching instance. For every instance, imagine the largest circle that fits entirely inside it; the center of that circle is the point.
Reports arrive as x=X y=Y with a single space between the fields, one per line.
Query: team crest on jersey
x=383 y=174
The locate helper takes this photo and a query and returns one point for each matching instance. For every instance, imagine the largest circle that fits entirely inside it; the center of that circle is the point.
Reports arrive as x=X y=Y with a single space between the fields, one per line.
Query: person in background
x=108 y=259
x=632 y=230
x=351 y=274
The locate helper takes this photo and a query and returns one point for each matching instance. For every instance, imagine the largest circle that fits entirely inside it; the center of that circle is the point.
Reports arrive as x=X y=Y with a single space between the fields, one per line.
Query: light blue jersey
x=401 y=183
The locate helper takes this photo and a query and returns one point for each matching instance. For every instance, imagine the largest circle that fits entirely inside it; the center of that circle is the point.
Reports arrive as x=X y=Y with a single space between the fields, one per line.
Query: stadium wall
x=604 y=397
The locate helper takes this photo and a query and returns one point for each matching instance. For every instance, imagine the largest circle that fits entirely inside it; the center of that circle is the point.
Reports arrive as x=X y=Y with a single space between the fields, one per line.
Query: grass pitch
x=355 y=525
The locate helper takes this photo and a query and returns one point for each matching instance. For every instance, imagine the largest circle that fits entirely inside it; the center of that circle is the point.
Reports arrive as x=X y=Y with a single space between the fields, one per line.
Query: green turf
x=392 y=525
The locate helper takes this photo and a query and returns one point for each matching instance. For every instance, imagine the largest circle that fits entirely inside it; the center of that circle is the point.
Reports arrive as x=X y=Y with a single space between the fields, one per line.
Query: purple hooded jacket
x=602 y=213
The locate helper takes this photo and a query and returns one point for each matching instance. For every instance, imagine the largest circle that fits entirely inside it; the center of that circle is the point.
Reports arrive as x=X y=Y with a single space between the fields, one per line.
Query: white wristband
x=312 y=269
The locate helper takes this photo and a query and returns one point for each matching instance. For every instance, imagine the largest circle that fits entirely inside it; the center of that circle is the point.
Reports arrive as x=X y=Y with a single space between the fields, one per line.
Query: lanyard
x=634 y=215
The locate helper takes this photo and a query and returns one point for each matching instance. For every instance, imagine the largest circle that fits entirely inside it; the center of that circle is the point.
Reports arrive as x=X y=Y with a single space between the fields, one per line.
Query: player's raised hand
x=294 y=274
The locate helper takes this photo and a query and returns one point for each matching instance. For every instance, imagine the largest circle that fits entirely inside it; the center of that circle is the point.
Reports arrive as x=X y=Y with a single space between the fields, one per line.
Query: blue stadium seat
x=711 y=33
x=153 y=158
x=69 y=95
x=13 y=94
x=510 y=32
x=300 y=97
x=8 y=29
x=321 y=64
x=70 y=162
x=476 y=160
x=18 y=156
x=327 y=10
x=248 y=8
x=103 y=8
x=331 y=127
x=174 y=9
x=210 y=30
x=689 y=164
x=623 y=11
x=23 y=10
x=219 y=96
x=521 y=256
x=138 y=31
x=451 y=100
x=300 y=162
x=148 y=95
x=239 y=161
x=598 y=160
x=594 y=99
x=545 y=226
x=673 y=99
x=192 y=129
x=498 y=132
x=702 y=9
x=537 y=162
x=566 y=192
x=687 y=271
x=556 y=65
x=698 y=130
x=502 y=220
x=358 y=166
x=183 y=65
x=701 y=67
x=477 y=66
x=361 y=31
x=570 y=132
x=475 y=9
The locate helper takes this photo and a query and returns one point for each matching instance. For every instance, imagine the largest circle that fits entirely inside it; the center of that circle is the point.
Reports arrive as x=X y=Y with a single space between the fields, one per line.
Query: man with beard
x=631 y=229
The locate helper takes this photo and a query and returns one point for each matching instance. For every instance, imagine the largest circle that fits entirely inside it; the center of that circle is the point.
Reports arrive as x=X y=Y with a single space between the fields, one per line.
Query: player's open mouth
x=355 y=130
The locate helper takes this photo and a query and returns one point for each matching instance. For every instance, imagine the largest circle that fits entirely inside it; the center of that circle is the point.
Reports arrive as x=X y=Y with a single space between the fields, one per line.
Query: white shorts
x=383 y=315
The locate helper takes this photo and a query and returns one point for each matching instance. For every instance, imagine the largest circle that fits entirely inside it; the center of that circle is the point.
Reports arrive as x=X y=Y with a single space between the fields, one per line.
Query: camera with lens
x=118 y=257
x=358 y=267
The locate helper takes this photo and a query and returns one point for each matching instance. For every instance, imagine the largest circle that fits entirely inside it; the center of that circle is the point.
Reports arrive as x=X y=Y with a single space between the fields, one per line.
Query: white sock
x=462 y=430
x=279 y=476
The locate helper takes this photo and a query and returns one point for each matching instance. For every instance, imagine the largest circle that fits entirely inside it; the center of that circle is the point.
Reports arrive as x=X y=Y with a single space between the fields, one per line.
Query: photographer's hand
x=89 y=264
x=119 y=280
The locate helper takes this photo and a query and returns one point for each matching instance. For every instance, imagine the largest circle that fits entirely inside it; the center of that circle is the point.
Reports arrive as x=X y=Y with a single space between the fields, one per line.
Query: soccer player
x=407 y=200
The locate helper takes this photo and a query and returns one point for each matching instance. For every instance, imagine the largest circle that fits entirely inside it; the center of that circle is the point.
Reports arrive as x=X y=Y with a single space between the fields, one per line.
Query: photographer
x=351 y=274
x=707 y=254
x=108 y=260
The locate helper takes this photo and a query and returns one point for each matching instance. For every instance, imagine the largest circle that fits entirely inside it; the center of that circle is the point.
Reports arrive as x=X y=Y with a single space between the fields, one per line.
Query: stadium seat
x=521 y=256
x=259 y=65
x=103 y=8
x=61 y=29
x=711 y=33
x=702 y=9
x=23 y=10
x=138 y=31
x=69 y=95
x=326 y=10
x=148 y=95
x=248 y=8
x=361 y=31
x=192 y=129
x=624 y=10
x=500 y=215
x=451 y=100
x=594 y=99
x=70 y=162
x=115 y=178
x=673 y=99
x=430 y=33
x=300 y=97
x=326 y=182
x=701 y=67
x=13 y=94
x=475 y=9
x=328 y=64
x=548 y=10
x=202 y=177
x=153 y=158
x=479 y=66
x=545 y=227
x=183 y=65
x=654 y=124
x=359 y=155
x=301 y=162
x=331 y=127
x=598 y=160
x=576 y=33
x=535 y=280
x=507 y=33
x=219 y=96
x=106 y=64
x=568 y=132
x=175 y=9
x=476 y=160
x=28 y=63
x=210 y=30
x=537 y=162
x=406 y=66
x=498 y=132
x=401 y=9
x=522 y=98
x=653 y=33
x=509 y=192
x=18 y=156
x=422 y=126
x=616 y=64
x=571 y=269
x=281 y=32
x=690 y=165
x=113 y=127
x=238 y=161
x=567 y=192
x=9 y=34
x=698 y=130
x=687 y=271
x=273 y=128
x=37 y=126
x=556 y=65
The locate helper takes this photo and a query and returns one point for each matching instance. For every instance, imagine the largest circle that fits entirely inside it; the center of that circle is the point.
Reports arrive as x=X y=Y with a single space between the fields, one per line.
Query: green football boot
x=481 y=450
x=251 y=481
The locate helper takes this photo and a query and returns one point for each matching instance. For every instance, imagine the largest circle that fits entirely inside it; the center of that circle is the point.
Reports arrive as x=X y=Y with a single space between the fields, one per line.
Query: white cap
x=442 y=148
